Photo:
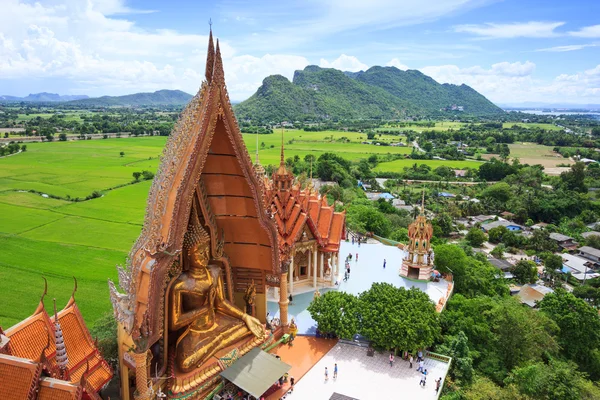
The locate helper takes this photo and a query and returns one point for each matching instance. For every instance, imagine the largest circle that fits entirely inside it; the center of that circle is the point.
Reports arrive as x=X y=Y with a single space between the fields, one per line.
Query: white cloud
x=394 y=62
x=572 y=47
x=344 y=63
x=532 y=29
x=587 y=32
x=515 y=82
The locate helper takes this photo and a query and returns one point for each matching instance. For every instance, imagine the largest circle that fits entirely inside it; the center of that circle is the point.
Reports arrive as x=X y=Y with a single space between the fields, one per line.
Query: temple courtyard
x=363 y=273
x=362 y=377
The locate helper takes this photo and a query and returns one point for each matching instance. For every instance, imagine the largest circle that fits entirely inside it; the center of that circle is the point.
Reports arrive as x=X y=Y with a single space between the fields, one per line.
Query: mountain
x=379 y=92
x=160 y=97
x=44 y=97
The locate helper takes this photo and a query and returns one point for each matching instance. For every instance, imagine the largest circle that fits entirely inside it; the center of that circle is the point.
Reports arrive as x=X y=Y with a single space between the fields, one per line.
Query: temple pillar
x=331 y=267
x=321 y=267
x=141 y=376
x=291 y=271
x=309 y=262
x=337 y=263
x=283 y=300
x=314 y=253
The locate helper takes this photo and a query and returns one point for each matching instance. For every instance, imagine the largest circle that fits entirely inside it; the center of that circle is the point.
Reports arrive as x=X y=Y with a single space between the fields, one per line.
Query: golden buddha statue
x=197 y=303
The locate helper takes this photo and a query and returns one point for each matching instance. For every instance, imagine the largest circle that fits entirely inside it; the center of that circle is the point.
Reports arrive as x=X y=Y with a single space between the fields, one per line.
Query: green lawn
x=60 y=238
x=550 y=127
x=399 y=165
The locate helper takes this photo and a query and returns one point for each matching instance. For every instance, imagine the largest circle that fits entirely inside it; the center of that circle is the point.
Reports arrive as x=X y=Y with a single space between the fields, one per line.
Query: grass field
x=550 y=127
x=533 y=153
x=59 y=238
x=399 y=165
x=439 y=126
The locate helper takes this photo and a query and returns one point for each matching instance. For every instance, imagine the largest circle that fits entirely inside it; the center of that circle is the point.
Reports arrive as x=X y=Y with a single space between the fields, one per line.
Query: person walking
x=356 y=260
x=335 y=371
x=384 y=263
x=292 y=381
x=290 y=298
x=326 y=374
x=424 y=380
x=419 y=355
x=410 y=361
x=438 y=383
x=391 y=359
x=420 y=369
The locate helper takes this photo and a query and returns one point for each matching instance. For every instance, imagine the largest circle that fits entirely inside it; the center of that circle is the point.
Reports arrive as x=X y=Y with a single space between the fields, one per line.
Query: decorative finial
x=210 y=23
x=282 y=161
x=218 y=75
x=40 y=306
x=210 y=56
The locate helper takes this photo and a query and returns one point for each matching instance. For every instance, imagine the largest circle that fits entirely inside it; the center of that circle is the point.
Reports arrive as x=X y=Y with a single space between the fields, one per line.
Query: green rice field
x=62 y=238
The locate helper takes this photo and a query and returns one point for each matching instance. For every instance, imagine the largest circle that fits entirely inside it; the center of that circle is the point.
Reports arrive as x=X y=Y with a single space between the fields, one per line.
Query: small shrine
x=309 y=230
x=51 y=357
x=192 y=298
x=418 y=263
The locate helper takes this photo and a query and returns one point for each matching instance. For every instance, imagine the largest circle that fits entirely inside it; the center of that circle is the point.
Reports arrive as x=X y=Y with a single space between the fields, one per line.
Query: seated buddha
x=198 y=304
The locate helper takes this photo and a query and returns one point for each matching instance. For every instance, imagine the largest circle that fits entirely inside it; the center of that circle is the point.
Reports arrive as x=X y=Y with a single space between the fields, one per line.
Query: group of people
x=335 y=372
x=421 y=368
x=347 y=265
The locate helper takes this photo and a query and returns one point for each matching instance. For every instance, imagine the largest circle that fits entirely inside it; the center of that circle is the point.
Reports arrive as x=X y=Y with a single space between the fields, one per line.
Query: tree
x=579 y=326
x=336 y=312
x=498 y=251
x=540 y=241
x=593 y=241
x=574 y=179
x=462 y=361
x=553 y=264
x=24 y=148
x=136 y=175
x=396 y=318
x=501 y=192
x=444 y=222
x=525 y=272
x=449 y=257
x=495 y=234
x=476 y=237
x=147 y=175
x=105 y=331
x=62 y=137
x=122 y=154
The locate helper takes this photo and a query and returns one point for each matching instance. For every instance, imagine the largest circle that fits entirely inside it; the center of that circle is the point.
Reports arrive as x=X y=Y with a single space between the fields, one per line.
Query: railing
x=386 y=241
x=439 y=357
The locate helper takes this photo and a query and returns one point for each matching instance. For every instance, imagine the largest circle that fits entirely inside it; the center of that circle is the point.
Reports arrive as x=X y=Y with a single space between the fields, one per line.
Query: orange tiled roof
x=29 y=337
x=18 y=377
x=294 y=208
x=55 y=389
x=81 y=350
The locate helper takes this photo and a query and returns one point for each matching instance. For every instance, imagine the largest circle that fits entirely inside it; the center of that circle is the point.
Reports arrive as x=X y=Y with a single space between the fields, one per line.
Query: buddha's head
x=196 y=244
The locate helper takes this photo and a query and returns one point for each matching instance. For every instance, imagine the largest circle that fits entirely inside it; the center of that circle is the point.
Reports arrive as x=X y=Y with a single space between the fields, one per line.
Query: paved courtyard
x=367 y=378
x=363 y=273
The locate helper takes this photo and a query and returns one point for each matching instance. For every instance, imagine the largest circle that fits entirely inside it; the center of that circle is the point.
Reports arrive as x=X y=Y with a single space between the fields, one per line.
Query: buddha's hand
x=254 y=325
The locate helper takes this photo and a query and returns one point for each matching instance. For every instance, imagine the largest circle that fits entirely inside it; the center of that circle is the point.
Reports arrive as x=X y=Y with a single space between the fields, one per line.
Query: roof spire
x=72 y=298
x=210 y=55
x=423 y=202
x=62 y=359
x=40 y=306
x=282 y=161
x=218 y=75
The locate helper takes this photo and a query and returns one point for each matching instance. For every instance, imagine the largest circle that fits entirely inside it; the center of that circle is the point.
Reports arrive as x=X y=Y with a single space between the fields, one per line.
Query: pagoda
x=309 y=230
x=418 y=263
x=51 y=357
x=207 y=241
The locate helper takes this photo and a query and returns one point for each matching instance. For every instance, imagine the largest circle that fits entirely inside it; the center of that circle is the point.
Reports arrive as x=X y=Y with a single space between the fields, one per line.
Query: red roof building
x=52 y=357
x=309 y=230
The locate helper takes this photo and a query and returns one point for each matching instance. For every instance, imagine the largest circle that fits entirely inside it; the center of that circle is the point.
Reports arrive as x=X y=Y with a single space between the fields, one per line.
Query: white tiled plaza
x=367 y=378
x=363 y=273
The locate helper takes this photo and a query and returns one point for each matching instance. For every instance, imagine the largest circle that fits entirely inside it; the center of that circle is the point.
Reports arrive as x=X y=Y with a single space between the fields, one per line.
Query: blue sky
x=511 y=51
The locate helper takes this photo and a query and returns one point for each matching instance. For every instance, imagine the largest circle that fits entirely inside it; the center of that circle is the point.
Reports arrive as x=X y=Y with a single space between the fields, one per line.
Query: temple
x=418 y=263
x=309 y=230
x=51 y=357
x=193 y=295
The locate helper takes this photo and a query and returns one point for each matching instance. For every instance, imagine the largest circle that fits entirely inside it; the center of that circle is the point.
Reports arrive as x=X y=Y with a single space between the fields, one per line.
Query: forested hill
x=379 y=92
x=160 y=97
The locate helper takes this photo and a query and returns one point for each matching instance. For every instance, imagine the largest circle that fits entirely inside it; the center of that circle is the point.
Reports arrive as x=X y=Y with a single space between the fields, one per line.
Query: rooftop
x=588 y=234
x=500 y=264
x=531 y=294
x=578 y=267
x=590 y=250
x=500 y=222
x=559 y=237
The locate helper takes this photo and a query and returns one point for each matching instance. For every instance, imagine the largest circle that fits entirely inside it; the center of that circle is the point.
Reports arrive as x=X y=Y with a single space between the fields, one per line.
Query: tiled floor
x=367 y=378
x=363 y=273
x=305 y=353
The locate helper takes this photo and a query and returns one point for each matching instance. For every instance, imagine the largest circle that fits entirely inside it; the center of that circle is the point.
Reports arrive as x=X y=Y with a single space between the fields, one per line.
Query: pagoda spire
x=423 y=201
x=62 y=359
x=218 y=75
x=210 y=56
x=282 y=161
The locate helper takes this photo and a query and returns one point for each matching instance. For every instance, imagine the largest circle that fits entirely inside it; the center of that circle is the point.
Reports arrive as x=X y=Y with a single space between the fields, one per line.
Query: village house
x=590 y=253
x=578 y=267
x=587 y=235
x=531 y=294
x=564 y=242
x=511 y=226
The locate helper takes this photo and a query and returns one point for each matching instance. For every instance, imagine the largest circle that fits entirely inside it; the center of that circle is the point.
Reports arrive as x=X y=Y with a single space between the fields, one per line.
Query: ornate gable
x=205 y=160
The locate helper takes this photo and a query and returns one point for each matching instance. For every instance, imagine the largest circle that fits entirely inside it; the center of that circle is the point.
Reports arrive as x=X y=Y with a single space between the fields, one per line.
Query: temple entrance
x=413 y=273
x=301 y=266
